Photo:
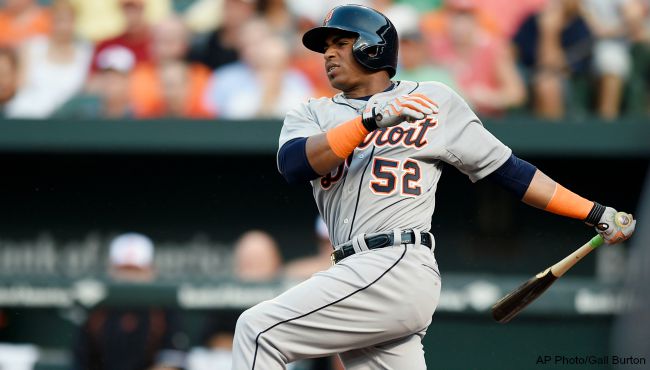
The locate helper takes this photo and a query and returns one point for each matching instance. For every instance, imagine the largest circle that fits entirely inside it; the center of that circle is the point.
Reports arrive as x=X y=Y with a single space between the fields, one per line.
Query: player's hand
x=410 y=108
x=615 y=227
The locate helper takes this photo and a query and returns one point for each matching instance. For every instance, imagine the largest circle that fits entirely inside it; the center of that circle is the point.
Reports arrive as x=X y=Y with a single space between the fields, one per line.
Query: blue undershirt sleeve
x=293 y=163
x=514 y=175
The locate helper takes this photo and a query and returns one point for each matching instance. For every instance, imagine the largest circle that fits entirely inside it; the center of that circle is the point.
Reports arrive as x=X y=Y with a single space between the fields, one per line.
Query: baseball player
x=374 y=154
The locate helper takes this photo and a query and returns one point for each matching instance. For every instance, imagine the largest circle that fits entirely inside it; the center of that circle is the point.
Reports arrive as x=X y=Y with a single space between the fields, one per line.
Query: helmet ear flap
x=374 y=51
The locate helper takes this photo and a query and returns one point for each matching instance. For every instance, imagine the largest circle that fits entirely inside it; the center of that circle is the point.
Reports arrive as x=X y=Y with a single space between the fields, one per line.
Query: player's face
x=343 y=71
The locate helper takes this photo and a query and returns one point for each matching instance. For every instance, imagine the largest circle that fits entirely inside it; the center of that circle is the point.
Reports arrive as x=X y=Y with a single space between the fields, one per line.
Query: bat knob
x=622 y=219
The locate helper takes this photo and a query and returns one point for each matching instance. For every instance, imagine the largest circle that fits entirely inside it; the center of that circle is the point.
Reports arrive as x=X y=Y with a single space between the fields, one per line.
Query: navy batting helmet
x=376 y=45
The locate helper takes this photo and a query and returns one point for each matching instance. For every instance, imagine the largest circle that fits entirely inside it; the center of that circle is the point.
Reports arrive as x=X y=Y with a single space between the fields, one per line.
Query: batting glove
x=615 y=227
x=410 y=108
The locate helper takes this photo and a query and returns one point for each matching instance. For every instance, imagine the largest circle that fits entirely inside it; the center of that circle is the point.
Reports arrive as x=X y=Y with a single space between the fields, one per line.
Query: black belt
x=380 y=241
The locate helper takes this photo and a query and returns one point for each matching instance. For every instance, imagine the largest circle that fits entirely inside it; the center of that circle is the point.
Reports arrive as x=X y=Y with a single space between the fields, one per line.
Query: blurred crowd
x=156 y=337
x=243 y=59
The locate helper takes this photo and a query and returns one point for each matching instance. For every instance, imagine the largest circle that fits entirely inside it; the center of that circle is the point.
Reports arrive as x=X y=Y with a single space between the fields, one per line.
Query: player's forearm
x=534 y=188
x=326 y=151
x=544 y=193
x=540 y=190
x=547 y=194
x=320 y=155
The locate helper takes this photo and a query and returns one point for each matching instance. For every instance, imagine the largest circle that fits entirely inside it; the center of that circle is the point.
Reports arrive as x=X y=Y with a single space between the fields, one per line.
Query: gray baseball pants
x=372 y=308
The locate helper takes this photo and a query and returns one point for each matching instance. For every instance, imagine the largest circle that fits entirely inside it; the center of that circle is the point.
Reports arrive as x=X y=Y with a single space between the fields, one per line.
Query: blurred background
x=141 y=210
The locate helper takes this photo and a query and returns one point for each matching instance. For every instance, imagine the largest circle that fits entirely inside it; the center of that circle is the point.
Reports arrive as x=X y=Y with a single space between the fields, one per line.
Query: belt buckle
x=332 y=258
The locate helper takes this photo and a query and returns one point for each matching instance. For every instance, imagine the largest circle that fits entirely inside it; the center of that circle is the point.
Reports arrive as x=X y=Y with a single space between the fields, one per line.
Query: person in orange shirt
x=168 y=86
x=181 y=90
x=22 y=19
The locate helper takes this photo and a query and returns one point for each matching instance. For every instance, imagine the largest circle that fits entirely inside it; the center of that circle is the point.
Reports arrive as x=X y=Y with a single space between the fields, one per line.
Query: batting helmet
x=376 y=45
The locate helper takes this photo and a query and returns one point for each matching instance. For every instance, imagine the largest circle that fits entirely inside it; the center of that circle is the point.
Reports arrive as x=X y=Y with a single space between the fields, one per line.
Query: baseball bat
x=510 y=305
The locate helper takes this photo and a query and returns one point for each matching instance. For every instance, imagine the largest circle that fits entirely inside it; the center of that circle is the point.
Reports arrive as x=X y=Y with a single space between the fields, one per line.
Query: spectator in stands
x=219 y=47
x=109 y=98
x=554 y=48
x=54 y=67
x=170 y=40
x=482 y=65
x=99 y=20
x=168 y=86
x=136 y=36
x=130 y=258
x=128 y=338
x=262 y=84
x=439 y=19
x=303 y=268
x=277 y=15
x=8 y=76
x=613 y=24
x=503 y=17
x=414 y=61
x=181 y=91
x=257 y=257
x=22 y=19
x=638 y=92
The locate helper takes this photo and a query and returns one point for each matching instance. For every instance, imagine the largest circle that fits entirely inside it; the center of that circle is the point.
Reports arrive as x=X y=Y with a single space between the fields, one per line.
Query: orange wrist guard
x=566 y=203
x=344 y=138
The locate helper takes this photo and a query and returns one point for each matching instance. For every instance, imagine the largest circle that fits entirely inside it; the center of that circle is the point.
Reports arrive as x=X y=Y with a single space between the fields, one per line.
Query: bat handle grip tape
x=596 y=241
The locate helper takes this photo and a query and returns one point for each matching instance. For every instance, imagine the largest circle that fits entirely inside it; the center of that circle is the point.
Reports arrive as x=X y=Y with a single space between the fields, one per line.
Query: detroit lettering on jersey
x=389 y=182
x=411 y=137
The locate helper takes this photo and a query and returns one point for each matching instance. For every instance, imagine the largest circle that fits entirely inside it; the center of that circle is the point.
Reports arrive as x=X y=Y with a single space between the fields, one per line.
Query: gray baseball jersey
x=373 y=307
x=390 y=180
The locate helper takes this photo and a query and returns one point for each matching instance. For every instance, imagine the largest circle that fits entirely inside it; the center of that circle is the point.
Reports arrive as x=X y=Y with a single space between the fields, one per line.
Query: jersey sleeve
x=468 y=146
x=299 y=122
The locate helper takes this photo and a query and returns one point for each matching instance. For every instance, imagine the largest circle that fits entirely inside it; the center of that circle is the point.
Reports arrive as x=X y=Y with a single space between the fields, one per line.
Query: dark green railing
x=626 y=137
